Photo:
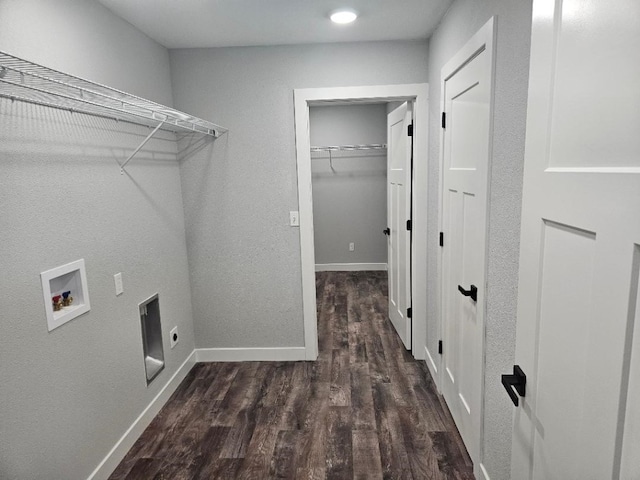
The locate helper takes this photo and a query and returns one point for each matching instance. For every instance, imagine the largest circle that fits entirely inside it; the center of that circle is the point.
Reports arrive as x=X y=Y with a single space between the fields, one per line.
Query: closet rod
x=349 y=148
x=74 y=110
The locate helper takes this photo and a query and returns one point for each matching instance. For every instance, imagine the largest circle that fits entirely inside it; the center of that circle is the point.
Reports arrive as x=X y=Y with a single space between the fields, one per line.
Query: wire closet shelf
x=348 y=148
x=32 y=83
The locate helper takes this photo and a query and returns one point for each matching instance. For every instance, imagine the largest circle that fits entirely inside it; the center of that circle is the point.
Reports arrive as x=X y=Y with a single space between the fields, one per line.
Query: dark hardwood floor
x=364 y=410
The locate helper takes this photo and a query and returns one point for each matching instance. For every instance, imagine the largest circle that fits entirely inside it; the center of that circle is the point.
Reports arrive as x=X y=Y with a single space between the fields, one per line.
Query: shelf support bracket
x=144 y=142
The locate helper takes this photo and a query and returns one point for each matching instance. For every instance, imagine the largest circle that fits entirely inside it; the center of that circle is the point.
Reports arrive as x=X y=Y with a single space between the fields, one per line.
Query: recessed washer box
x=71 y=277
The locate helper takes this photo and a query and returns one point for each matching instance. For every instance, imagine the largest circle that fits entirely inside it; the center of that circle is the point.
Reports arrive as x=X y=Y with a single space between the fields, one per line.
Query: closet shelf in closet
x=29 y=82
x=348 y=148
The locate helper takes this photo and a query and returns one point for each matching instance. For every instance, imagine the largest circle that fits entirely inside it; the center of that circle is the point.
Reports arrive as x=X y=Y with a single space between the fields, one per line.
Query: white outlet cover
x=172 y=333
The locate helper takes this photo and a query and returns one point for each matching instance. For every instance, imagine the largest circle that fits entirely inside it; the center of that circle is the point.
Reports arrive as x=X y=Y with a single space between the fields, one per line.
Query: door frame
x=303 y=99
x=483 y=39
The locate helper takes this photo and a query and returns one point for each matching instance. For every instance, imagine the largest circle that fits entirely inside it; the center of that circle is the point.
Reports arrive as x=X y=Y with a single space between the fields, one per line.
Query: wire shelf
x=348 y=148
x=29 y=82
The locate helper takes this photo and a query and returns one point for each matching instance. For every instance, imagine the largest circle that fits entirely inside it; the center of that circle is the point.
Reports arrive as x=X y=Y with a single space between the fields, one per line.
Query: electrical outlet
x=173 y=337
x=117 y=278
x=352 y=247
x=294 y=219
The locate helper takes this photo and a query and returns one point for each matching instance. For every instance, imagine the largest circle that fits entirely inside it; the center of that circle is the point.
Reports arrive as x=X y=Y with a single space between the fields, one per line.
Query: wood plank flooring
x=364 y=410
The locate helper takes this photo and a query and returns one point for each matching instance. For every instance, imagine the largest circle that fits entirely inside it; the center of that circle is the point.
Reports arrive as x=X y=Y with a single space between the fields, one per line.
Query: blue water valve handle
x=65 y=295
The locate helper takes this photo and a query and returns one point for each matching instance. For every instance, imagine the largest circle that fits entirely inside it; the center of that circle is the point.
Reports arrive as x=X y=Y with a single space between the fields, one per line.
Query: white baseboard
x=122 y=446
x=349 y=267
x=433 y=368
x=483 y=472
x=250 y=354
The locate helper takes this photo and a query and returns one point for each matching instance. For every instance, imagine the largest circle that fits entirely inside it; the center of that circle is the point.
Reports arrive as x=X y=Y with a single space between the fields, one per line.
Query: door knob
x=472 y=292
x=387 y=231
x=515 y=384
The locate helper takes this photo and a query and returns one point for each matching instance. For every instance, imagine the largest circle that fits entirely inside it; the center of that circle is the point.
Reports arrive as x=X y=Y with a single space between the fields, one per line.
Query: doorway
x=361 y=183
x=303 y=100
x=349 y=173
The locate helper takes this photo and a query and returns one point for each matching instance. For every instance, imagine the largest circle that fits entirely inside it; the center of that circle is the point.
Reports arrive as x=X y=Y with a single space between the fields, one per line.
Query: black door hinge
x=409 y=225
x=442 y=239
x=409 y=312
x=410 y=130
x=444 y=120
x=440 y=347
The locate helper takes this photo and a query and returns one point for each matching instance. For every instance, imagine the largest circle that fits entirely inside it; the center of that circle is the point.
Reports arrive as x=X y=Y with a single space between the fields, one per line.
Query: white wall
x=67 y=396
x=464 y=18
x=349 y=203
x=244 y=258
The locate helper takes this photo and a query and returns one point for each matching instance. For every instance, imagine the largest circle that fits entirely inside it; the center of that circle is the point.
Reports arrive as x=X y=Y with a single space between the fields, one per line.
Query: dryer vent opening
x=151 y=337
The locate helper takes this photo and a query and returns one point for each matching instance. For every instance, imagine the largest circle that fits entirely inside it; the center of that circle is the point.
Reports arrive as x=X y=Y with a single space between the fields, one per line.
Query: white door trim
x=482 y=39
x=305 y=97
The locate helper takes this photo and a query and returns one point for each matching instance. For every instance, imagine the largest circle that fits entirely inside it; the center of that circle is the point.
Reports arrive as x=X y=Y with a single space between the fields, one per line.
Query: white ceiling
x=225 y=23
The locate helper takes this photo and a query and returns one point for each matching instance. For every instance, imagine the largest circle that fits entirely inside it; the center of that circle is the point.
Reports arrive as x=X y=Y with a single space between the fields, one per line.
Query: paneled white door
x=467 y=83
x=399 y=151
x=578 y=326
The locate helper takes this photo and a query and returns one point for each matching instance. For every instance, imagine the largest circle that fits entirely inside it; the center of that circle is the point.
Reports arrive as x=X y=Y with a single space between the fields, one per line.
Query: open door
x=578 y=326
x=399 y=151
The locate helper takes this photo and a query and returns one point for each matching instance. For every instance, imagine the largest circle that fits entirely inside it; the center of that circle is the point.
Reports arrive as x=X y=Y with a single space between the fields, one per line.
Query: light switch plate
x=294 y=218
x=117 y=278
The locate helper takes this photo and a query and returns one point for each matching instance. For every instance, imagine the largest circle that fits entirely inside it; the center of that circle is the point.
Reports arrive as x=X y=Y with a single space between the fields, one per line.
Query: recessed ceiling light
x=343 y=16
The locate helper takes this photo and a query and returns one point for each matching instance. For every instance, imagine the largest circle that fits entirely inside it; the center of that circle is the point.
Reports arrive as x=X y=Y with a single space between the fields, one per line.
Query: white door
x=399 y=149
x=465 y=159
x=578 y=326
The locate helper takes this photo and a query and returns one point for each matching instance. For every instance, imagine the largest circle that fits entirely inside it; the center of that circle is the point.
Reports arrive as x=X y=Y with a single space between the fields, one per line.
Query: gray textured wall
x=244 y=258
x=350 y=203
x=68 y=395
x=85 y=39
x=464 y=18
